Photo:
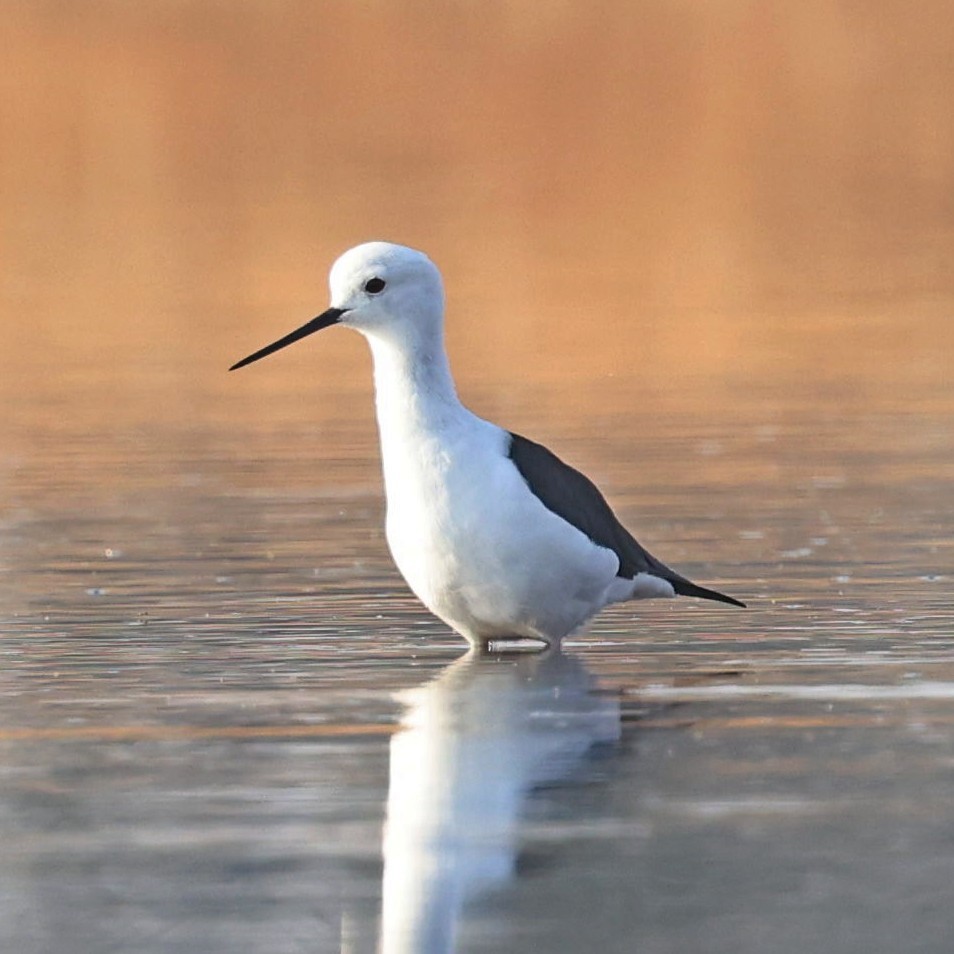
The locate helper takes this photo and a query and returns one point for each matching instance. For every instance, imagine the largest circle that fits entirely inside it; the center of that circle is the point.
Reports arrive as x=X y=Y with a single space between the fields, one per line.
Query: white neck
x=414 y=391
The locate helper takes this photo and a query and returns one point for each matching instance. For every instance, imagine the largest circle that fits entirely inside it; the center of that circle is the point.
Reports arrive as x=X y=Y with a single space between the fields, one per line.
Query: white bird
x=494 y=534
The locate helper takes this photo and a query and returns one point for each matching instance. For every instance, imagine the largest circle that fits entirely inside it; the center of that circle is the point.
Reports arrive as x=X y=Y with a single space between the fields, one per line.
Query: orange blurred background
x=665 y=189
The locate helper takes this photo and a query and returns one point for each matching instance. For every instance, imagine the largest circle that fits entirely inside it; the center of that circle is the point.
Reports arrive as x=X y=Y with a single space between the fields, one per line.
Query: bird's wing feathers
x=574 y=497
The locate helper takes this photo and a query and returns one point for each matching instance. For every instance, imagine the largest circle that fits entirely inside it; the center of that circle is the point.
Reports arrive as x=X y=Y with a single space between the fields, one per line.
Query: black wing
x=574 y=497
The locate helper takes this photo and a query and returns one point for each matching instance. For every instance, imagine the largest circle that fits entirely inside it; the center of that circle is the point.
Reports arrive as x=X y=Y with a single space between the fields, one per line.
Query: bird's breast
x=437 y=503
x=473 y=542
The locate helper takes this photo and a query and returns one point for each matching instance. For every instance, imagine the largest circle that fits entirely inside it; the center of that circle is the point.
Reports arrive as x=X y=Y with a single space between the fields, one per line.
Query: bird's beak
x=330 y=317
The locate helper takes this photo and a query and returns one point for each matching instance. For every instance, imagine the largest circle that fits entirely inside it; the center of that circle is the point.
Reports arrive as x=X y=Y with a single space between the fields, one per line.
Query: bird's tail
x=684 y=587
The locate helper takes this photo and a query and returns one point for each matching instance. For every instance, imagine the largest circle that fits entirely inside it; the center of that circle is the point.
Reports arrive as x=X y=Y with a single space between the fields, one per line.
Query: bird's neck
x=414 y=391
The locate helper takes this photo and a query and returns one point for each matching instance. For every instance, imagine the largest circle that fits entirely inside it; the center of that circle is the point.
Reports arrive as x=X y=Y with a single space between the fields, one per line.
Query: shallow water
x=228 y=727
x=225 y=724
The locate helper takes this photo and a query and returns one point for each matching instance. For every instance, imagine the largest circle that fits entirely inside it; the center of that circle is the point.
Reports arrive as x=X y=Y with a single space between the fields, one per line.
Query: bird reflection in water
x=474 y=743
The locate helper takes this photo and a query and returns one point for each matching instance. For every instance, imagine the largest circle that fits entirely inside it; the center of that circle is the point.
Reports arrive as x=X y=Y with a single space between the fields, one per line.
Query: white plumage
x=494 y=534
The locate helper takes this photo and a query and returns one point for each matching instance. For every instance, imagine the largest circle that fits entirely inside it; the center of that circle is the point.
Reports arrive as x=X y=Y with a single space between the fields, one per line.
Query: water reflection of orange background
x=677 y=187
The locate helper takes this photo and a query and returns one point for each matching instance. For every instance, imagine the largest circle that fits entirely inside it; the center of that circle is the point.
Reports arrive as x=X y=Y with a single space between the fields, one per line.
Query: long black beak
x=330 y=317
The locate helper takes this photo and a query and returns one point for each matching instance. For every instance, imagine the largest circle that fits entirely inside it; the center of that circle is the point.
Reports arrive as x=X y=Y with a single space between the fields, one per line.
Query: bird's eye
x=374 y=286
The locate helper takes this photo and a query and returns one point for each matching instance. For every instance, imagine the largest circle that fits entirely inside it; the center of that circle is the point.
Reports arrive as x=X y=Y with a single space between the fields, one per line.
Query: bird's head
x=380 y=289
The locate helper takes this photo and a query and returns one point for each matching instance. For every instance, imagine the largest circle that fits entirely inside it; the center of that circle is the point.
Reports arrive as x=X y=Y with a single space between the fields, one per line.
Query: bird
x=494 y=533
